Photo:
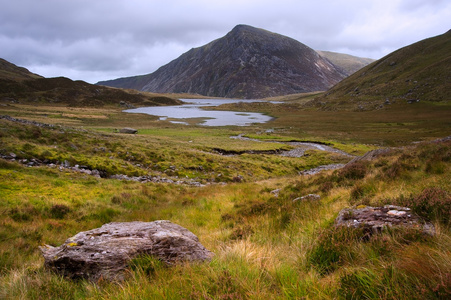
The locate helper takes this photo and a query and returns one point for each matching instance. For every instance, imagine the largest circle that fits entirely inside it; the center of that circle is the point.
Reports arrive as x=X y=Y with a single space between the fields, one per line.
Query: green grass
x=265 y=246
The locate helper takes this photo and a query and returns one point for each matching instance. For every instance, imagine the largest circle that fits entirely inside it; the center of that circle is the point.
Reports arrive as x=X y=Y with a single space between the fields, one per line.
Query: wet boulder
x=106 y=252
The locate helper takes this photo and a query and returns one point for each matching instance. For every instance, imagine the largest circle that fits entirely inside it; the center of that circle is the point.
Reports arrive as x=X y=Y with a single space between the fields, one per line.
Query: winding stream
x=299 y=151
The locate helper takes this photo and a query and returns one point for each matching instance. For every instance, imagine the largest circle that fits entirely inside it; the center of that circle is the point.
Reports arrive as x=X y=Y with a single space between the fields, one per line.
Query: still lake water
x=193 y=109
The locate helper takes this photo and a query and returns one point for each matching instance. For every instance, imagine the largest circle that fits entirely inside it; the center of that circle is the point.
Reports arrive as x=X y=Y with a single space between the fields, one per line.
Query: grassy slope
x=265 y=247
x=63 y=91
x=10 y=71
x=421 y=71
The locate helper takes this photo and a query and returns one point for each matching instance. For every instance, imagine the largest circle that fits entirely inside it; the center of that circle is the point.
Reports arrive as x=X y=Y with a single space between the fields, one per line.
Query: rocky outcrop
x=321 y=168
x=370 y=155
x=378 y=218
x=105 y=252
x=128 y=130
x=246 y=63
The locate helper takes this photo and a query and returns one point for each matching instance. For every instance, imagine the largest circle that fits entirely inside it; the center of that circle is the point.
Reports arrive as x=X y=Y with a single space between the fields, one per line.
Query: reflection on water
x=193 y=109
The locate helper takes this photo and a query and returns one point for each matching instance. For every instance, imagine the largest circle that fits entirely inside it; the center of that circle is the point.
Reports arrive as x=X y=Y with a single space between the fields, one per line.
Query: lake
x=193 y=109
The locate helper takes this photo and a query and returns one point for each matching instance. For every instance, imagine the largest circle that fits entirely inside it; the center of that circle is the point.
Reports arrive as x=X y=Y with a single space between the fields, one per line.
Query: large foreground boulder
x=105 y=252
x=378 y=218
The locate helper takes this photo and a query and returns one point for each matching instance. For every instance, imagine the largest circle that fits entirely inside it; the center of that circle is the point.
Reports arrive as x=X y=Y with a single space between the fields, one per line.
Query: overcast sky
x=96 y=40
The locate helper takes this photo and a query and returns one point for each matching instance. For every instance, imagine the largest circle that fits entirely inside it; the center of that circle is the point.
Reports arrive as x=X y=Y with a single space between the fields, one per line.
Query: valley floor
x=266 y=245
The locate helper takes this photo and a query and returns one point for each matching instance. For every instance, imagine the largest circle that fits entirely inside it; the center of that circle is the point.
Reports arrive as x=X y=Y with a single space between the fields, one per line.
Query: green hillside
x=18 y=85
x=420 y=72
x=10 y=71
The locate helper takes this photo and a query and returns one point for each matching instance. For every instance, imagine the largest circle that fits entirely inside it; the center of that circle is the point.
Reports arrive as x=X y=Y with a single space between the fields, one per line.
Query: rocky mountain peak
x=247 y=62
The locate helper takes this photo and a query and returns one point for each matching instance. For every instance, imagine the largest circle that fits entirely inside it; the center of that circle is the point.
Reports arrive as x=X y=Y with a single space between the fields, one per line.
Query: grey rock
x=378 y=218
x=275 y=192
x=309 y=197
x=128 y=130
x=321 y=168
x=105 y=252
x=126 y=104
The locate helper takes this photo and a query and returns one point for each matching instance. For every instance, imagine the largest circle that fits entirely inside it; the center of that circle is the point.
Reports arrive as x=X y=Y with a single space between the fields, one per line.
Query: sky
x=95 y=40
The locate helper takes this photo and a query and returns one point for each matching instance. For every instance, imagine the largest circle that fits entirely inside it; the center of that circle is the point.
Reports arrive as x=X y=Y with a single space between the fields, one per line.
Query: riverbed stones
x=378 y=218
x=105 y=252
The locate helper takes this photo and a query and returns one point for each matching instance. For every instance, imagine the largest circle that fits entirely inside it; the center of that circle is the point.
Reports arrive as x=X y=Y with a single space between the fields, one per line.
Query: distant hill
x=349 y=63
x=420 y=72
x=18 y=85
x=246 y=63
x=12 y=72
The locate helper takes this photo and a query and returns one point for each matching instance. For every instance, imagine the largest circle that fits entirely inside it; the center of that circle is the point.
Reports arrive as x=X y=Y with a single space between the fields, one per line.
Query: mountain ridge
x=10 y=71
x=349 y=63
x=247 y=62
x=19 y=85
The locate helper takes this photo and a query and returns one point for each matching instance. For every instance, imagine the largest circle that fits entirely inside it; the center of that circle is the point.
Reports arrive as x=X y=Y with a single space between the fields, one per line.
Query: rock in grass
x=128 y=130
x=105 y=252
x=377 y=218
x=309 y=197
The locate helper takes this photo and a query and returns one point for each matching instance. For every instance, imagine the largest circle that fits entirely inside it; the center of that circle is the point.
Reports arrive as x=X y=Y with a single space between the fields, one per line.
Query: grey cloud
x=105 y=39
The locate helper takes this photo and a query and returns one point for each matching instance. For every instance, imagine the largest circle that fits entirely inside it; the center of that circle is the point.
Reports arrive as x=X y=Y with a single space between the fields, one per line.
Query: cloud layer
x=106 y=39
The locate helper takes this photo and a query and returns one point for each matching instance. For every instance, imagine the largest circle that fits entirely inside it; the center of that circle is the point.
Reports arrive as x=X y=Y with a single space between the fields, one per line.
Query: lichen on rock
x=105 y=252
x=378 y=218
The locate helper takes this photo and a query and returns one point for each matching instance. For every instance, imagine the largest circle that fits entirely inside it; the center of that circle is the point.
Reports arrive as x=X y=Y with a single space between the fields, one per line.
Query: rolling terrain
x=18 y=85
x=246 y=63
x=65 y=168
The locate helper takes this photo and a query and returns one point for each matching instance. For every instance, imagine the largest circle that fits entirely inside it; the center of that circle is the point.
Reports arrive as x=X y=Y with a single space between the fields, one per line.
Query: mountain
x=248 y=62
x=18 y=85
x=349 y=63
x=420 y=72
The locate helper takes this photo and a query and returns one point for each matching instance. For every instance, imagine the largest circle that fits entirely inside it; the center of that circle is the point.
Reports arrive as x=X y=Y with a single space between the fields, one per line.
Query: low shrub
x=58 y=211
x=354 y=171
x=331 y=249
x=433 y=203
x=394 y=170
x=435 y=167
x=252 y=208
